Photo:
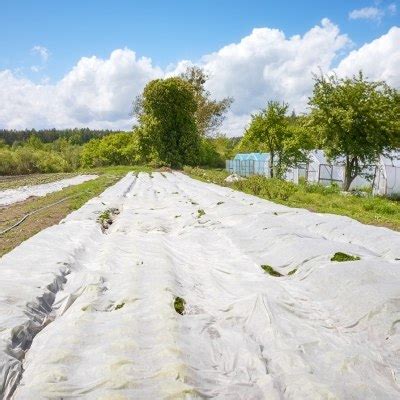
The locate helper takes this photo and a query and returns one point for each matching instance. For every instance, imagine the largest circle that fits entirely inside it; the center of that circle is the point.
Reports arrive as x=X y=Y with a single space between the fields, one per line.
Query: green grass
x=367 y=209
x=342 y=257
x=269 y=270
x=179 y=305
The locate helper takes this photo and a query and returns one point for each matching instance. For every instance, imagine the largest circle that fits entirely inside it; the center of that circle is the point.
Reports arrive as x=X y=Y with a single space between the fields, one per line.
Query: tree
x=210 y=113
x=355 y=119
x=282 y=136
x=168 y=130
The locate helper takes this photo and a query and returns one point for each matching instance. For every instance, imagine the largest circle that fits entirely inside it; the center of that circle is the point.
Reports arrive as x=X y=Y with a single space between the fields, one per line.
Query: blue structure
x=246 y=164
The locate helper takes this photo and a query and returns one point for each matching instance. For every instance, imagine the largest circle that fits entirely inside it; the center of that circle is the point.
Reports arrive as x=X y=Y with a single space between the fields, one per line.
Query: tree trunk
x=349 y=174
x=271 y=165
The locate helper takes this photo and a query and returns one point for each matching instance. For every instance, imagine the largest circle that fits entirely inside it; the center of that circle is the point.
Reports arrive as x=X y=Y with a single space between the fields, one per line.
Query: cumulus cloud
x=264 y=65
x=268 y=65
x=379 y=59
x=95 y=93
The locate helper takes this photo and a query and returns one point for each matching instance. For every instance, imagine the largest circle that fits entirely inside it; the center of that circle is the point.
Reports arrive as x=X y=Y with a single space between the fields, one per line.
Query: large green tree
x=283 y=136
x=210 y=113
x=356 y=120
x=168 y=130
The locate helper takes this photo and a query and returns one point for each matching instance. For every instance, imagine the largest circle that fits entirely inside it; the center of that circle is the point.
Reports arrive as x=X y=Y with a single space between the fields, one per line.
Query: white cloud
x=235 y=124
x=379 y=59
x=264 y=65
x=268 y=65
x=42 y=52
x=371 y=13
x=95 y=93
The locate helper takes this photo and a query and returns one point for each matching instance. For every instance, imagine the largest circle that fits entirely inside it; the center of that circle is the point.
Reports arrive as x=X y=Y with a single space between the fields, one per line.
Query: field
x=168 y=287
x=75 y=197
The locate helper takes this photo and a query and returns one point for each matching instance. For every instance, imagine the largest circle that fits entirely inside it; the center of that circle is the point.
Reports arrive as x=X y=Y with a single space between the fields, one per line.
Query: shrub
x=8 y=163
x=209 y=155
x=30 y=160
x=114 y=149
x=267 y=188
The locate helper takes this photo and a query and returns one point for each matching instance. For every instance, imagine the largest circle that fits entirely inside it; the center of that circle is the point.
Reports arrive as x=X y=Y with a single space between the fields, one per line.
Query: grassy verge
x=364 y=208
x=52 y=215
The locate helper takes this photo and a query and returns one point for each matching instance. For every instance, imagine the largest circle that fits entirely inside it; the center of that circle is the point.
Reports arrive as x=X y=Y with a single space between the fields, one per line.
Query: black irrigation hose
x=36 y=211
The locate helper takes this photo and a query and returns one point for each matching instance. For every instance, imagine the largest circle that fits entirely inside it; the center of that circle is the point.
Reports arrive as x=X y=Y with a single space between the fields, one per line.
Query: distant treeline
x=74 y=136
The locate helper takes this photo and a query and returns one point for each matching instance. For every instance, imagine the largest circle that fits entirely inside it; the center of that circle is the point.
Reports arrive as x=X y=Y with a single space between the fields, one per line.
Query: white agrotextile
x=88 y=313
x=22 y=193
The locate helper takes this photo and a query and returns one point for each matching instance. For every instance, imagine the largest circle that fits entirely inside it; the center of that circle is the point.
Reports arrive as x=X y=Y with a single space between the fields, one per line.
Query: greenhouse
x=387 y=177
x=320 y=170
x=246 y=164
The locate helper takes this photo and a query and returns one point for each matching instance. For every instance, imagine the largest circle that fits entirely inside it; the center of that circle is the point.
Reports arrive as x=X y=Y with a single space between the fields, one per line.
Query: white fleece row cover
x=87 y=314
x=22 y=193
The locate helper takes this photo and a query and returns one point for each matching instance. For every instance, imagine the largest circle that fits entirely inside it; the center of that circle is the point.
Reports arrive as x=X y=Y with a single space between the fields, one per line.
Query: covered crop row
x=192 y=290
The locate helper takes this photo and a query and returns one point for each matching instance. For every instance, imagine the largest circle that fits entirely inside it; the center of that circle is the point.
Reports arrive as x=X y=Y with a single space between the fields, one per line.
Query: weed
x=179 y=305
x=269 y=270
x=106 y=217
x=341 y=257
x=177 y=216
x=118 y=306
x=292 y=272
x=200 y=213
x=219 y=203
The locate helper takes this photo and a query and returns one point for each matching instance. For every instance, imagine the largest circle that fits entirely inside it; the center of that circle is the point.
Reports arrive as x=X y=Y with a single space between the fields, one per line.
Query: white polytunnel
x=387 y=178
x=88 y=312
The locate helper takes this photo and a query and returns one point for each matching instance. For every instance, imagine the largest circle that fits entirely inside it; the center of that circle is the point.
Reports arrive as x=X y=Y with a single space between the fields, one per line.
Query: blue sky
x=81 y=63
x=165 y=31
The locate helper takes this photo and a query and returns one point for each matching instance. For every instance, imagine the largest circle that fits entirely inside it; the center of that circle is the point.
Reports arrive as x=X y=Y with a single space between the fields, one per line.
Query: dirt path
x=106 y=328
